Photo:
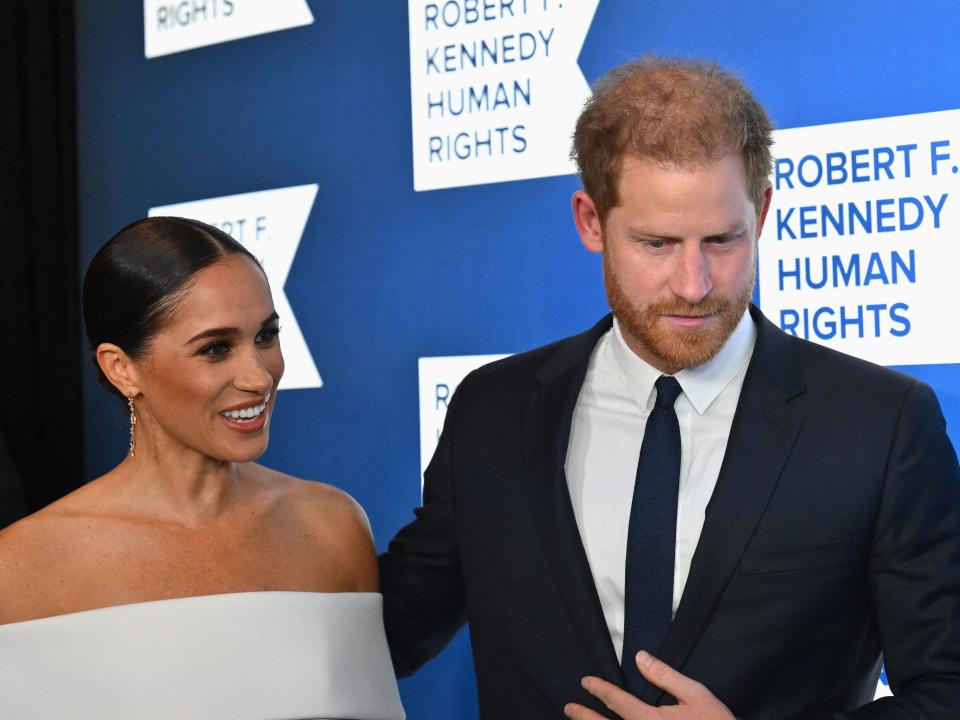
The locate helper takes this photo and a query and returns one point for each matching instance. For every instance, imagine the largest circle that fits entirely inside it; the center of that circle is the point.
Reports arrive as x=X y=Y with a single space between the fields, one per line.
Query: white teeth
x=245 y=413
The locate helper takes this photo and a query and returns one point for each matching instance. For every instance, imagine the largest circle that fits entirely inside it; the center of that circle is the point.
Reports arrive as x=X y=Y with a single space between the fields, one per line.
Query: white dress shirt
x=605 y=438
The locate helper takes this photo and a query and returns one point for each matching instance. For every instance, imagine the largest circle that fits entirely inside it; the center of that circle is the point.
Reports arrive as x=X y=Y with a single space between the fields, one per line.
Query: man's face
x=679 y=257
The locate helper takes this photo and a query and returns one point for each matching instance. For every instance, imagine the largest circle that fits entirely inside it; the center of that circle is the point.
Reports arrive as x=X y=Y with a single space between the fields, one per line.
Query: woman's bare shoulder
x=21 y=541
x=322 y=502
x=31 y=538
x=335 y=524
x=33 y=553
x=44 y=555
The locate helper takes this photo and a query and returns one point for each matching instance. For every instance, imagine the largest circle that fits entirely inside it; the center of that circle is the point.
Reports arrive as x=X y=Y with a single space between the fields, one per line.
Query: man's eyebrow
x=642 y=233
x=228 y=331
x=734 y=229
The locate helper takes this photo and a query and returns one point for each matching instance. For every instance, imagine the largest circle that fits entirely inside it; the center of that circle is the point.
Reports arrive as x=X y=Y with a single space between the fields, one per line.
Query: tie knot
x=668 y=390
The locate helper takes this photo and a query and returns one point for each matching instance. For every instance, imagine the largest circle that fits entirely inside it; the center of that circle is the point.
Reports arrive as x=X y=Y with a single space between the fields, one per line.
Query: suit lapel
x=762 y=435
x=548 y=412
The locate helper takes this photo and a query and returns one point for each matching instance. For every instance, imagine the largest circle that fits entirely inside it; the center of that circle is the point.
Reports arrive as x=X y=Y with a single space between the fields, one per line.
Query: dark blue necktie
x=652 y=536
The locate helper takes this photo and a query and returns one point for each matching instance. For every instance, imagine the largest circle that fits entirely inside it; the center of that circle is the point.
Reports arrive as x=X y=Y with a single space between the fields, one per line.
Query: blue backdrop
x=385 y=275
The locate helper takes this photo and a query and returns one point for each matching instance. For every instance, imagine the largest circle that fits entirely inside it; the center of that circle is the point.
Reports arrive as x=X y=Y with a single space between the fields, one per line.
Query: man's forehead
x=693 y=162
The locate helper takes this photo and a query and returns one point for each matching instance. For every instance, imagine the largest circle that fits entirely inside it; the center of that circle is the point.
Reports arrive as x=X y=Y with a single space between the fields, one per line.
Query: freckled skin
x=190 y=513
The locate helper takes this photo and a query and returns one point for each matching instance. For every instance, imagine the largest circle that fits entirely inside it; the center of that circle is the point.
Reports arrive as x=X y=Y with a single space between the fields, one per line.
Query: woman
x=163 y=588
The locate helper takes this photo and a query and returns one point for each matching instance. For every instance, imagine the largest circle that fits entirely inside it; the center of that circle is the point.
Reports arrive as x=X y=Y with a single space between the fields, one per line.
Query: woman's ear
x=120 y=369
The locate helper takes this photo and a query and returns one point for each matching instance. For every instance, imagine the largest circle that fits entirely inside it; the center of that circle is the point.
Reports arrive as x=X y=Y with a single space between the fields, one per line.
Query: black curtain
x=40 y=400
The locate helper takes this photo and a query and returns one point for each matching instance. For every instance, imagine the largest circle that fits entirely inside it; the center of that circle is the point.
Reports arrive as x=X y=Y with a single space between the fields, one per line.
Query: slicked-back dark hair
x=134 y=281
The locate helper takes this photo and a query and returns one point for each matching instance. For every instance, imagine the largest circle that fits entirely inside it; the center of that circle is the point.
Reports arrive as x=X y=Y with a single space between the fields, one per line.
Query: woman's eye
x=215 y=349
x=267 y=335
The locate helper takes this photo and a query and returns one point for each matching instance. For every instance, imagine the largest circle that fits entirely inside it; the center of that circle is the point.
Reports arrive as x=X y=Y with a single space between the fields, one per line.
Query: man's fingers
x=620 y=701
x=666 y=678
x=579 y=712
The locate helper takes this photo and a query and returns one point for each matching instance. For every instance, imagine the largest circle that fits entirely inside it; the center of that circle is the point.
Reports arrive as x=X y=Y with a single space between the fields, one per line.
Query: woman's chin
x=235 y=452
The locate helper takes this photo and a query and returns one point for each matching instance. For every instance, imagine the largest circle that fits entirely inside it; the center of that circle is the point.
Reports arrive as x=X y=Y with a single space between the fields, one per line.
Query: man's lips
x=690 y=321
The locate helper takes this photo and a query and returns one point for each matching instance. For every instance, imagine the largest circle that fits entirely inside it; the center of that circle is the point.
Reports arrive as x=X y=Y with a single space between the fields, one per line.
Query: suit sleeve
x=915 y=569
x=420 y=577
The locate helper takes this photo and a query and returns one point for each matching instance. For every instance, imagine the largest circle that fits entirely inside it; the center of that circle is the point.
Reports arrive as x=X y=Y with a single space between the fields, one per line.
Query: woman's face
x=209 y=378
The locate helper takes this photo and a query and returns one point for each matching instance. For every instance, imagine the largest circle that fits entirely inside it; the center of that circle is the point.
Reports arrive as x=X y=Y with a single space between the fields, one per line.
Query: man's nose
x=691 y=277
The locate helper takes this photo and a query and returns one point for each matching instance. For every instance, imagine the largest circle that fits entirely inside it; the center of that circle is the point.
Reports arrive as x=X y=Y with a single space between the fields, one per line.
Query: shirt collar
x=702 y=384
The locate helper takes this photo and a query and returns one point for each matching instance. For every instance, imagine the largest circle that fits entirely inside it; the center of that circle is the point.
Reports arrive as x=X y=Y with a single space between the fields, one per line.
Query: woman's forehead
x=230 y=293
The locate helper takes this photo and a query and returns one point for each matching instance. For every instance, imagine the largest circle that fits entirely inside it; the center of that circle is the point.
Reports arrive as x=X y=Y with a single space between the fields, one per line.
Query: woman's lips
x=246 y=426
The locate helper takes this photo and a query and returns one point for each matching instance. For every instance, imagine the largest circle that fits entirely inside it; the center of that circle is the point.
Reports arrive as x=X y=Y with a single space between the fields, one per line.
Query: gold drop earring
x=133 y=421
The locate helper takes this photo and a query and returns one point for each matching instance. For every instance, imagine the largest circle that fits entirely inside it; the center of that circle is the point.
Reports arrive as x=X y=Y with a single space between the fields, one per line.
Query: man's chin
x=688 y=350
x=678 y=345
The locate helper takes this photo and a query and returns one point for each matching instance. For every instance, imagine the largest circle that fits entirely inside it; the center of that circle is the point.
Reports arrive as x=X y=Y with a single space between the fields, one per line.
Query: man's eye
x=215 y=349
x=655 y=244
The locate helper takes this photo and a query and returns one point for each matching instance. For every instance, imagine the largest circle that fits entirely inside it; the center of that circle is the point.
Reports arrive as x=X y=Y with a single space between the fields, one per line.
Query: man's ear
x=119 y=368
x=767 y=194
x=587 y=221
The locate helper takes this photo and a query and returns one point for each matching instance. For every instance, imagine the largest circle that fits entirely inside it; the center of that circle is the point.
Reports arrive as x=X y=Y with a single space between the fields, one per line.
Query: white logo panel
x=860 y=243
x=172 y=26
x=495 y=88
x=269 y=224
x=439 y=378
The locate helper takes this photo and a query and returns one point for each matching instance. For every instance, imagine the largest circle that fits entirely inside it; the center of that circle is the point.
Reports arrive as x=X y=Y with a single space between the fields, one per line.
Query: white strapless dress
x=254 y=655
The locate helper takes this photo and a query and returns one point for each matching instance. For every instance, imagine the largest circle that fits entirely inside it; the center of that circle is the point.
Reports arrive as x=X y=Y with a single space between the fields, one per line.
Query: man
x=685 y=512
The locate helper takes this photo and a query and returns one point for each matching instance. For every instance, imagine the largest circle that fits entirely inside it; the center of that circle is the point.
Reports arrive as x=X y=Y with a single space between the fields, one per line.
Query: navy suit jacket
x=833 y=535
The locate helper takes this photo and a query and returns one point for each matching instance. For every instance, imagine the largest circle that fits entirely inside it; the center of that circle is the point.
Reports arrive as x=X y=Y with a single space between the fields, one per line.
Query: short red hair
x=677 y=112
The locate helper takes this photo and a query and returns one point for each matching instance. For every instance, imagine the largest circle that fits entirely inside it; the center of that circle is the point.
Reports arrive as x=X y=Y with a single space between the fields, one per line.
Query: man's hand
x=694 y=701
